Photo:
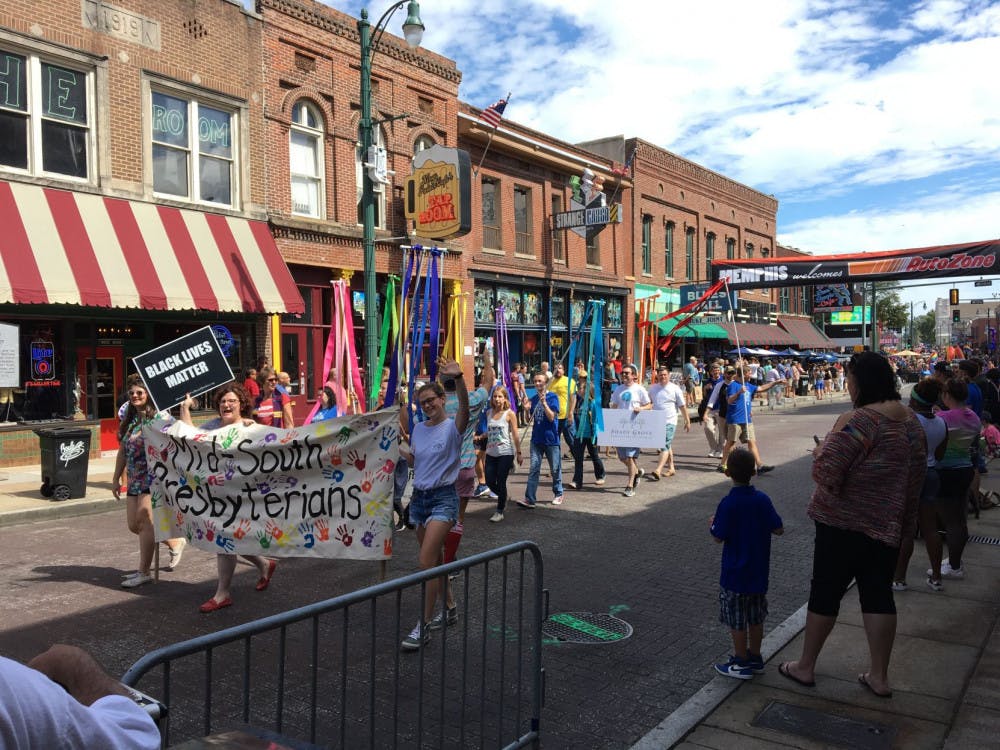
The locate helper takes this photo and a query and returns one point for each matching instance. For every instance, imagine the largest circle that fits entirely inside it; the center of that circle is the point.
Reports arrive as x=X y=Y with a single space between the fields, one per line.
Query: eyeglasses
x=428 y=401
x=272 y=380
x=229 y=400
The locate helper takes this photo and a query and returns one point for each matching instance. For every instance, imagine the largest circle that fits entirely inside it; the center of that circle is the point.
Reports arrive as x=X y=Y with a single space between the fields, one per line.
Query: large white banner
x=323 y=490
x=624 y=428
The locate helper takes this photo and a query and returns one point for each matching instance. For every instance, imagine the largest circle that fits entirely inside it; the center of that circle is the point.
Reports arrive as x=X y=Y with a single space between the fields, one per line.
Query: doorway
x=101 y=373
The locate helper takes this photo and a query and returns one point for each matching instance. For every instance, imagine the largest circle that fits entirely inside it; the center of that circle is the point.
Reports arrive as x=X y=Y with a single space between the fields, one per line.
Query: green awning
x=692 y=330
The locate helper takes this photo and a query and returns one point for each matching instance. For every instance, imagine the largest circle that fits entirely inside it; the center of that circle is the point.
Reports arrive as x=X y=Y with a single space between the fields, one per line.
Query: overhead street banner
x=193 y=363
x=968 y=259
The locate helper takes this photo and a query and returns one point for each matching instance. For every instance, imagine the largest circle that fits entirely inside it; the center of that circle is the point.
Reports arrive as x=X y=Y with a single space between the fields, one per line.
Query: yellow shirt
x=560 y=387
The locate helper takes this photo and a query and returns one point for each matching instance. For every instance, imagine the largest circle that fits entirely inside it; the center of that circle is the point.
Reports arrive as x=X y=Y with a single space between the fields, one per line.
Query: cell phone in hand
x=816 y=439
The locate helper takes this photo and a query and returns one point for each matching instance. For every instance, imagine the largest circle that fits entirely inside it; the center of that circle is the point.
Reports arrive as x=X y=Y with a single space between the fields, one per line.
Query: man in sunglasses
x=630 y=395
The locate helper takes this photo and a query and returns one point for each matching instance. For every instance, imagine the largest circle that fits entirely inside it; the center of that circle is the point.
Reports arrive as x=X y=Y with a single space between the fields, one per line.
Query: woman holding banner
x=232 y=404
x=435 y=455
x=132 y=473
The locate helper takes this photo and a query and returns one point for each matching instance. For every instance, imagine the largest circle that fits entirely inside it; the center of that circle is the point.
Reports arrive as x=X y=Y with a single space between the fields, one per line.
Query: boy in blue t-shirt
x=744 y=523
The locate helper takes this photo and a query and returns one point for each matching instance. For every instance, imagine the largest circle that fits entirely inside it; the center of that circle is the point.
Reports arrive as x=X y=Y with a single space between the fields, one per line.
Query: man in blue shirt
x=544 y=442
x=739 y=419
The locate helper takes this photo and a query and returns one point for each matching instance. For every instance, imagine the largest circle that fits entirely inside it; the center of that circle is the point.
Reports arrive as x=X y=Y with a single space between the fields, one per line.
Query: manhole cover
x=586 y=627
x=829 y=729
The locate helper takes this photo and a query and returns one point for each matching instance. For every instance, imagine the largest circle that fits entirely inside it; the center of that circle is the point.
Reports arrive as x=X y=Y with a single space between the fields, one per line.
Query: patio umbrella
x=789 y=352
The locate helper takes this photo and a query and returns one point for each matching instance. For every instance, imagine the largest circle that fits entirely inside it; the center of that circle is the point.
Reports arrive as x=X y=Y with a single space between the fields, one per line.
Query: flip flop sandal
x=863 y=679
x=653 y=476
x=783 y=671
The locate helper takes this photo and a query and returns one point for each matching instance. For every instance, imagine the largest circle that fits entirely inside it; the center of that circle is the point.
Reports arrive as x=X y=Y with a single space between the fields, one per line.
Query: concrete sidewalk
x=21 y=501
x=945 y=673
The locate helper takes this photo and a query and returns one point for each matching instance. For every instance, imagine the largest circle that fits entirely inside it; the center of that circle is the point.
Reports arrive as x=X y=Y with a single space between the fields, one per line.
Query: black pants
x=497 y=469
x=595 y=457
x=841 y=556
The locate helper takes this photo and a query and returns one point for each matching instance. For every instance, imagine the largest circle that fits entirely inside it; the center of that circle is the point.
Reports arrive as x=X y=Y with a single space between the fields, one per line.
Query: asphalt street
x=648 y=560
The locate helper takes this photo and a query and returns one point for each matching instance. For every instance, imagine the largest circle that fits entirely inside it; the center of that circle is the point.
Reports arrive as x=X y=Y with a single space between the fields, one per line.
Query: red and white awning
x=59 y=246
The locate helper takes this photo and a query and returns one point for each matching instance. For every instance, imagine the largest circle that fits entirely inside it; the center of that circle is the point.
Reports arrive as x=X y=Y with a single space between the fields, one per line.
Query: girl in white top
x=503 y=444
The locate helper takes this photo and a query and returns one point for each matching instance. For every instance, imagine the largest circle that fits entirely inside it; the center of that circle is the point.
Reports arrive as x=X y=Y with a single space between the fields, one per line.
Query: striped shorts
x=738 y=611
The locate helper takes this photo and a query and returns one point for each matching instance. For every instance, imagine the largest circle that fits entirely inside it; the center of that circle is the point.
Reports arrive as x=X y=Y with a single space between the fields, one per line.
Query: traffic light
x=956 y=316
x=953 y=296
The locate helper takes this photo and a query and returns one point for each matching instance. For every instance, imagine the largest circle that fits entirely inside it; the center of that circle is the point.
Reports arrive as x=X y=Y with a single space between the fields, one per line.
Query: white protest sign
x=625 y=428
x=10 y=351
x=323 y=490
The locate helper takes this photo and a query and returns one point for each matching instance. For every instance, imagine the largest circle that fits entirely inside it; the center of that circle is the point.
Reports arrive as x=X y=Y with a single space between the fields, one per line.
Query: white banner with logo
x=323 y=490
x=624 y=428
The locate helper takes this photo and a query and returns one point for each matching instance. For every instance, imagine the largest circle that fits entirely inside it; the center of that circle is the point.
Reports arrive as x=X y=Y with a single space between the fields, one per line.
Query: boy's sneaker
x=437 y=622
x=415 y=640
x=629 y=492
x=481 y=491
x=755 y=662
x=735 y=668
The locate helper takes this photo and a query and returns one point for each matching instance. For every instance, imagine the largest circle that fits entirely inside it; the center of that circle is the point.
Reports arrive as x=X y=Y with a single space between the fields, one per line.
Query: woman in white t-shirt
x=503 y=445
x=434 y=453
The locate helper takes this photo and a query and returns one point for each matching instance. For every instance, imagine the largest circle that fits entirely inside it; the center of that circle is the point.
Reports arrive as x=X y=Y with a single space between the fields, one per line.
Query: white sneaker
x=137 y=580
x=949 y=572
x=899 y=586
x=175 y=554
x=496 y=517
x=716 y=454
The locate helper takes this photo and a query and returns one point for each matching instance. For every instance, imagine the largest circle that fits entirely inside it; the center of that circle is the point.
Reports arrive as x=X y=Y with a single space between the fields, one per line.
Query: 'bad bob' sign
x=323 y=490
x=193 y=363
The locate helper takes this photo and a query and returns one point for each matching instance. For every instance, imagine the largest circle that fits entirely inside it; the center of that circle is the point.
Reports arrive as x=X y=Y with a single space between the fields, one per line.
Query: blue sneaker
x=481 y=491
x=755 y=662
x=735 y=668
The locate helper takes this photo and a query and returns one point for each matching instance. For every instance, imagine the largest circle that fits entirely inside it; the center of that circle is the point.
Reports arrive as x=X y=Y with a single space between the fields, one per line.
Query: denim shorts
x=435 y=504
x=624 y=453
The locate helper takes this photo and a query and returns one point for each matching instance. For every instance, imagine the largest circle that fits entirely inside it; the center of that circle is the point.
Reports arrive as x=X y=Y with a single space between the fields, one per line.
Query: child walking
x=743 y=523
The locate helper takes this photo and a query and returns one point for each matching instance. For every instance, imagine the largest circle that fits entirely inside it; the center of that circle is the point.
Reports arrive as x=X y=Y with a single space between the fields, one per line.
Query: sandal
x=265 y=580
x=670 y=473
x=653 y=475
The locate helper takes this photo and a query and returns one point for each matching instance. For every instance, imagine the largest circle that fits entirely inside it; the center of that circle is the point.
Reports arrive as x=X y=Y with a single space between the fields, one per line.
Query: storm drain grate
x=826 y=728
x=586 y=627
x=979 y=539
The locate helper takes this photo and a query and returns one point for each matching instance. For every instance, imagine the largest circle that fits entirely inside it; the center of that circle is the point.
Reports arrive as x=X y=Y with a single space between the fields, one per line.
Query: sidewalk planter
x=65 y=458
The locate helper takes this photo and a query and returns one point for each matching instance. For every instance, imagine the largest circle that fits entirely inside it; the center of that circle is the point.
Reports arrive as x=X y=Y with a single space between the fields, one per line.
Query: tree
x=925 y=328
x=890 y=311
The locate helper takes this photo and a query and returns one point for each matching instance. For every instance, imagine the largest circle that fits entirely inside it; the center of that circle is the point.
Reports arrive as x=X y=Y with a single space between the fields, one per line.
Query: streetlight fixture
x=413 y=30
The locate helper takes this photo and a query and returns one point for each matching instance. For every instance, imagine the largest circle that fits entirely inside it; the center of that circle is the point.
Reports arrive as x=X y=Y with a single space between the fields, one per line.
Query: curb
x=57 y=510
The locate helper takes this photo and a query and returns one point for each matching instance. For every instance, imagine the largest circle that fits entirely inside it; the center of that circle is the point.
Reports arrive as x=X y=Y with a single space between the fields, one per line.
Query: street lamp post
x=413 y=30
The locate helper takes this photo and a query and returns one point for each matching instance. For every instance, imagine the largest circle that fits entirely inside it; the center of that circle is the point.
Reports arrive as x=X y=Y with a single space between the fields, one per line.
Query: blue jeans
x=554 y=455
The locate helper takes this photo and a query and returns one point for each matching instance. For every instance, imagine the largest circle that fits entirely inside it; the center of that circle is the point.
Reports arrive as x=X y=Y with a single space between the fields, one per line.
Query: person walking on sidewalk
x=667 y=396
x=131 y=464
x=868 y=473
x=503 y=446
x=587 y=437
x=630 y=395
x=743 y=523
x=544 y=442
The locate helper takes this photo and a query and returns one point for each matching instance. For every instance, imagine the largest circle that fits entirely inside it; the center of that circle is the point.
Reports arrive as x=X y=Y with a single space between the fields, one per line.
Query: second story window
x=524 y=243
x=647 y=243
x=594 y=251
x=749 y=250
x=689 y=254
x=193 y=149
x=305 y=158
x=422 y=143
x=784 y=299
x=491 y=213
x=668 y=250
x=46 y=120
x=557 y=234
x=709 y=254
x=730 y=248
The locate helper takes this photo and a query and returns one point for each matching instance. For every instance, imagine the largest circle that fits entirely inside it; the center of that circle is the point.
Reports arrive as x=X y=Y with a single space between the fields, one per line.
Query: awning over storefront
x=692 y=330
x=59 y=246
x=757 y=334
x=805 y=333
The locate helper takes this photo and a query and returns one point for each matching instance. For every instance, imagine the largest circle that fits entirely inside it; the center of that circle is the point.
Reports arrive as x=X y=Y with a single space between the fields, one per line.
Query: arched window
x=305 y=160
x=423 y=142
x=378 y=139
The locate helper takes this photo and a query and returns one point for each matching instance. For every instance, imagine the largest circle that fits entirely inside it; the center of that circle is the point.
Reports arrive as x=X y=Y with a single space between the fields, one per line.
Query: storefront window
x=576 y=312
x=614 y=316
x=558 y=312
x=511 y=301
x=483 y=307
x=533 y=308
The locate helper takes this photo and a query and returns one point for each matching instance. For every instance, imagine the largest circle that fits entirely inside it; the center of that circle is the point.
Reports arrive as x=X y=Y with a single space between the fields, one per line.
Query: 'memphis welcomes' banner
x=323 y=490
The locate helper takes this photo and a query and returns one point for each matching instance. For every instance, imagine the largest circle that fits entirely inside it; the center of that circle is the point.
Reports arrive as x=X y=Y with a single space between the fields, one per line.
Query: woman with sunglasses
x=272 y=407
x=435 y=454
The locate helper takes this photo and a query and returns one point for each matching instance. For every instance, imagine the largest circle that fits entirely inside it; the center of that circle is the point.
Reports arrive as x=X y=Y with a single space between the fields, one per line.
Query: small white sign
x=624 y=428
x=10 y=371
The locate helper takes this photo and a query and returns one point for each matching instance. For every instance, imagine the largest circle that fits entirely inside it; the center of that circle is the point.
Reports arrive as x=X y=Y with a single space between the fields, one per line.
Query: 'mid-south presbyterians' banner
x=323 y=490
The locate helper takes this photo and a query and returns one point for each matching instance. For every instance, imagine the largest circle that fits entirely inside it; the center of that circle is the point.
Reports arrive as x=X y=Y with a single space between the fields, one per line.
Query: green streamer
x=388 y=321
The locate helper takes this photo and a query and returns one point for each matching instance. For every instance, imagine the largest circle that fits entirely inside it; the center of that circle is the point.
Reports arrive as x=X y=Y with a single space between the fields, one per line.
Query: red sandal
x=264 y=581
x=212 y=605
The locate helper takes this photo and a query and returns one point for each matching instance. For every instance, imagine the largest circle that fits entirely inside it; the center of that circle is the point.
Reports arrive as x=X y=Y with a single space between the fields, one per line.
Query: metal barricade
x=333 y=672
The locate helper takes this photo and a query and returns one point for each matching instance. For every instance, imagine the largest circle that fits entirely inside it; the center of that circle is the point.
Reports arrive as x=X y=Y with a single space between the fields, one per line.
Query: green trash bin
x=65 y=454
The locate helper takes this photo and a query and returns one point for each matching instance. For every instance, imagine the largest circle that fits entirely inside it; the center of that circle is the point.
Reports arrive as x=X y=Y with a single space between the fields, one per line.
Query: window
x=305 y=158
x=730 y=248
x=784 y=299
x=593 y=251
x=689 y=254
x=46 y=123
x=557 y=234
x=193 y=149
x=709 y=254
x=749 y=250
x=647 y=243
x=804 y=306
x=422 y=143
x=378 y=139
x=491 y=213
x=524 y=244
x=668 y=250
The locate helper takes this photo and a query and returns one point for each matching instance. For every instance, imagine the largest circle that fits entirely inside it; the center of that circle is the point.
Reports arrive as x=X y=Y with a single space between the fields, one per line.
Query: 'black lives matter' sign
x=193 y=364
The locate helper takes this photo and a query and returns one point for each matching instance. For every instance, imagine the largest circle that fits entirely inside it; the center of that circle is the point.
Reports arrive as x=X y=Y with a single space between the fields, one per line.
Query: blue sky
x=875 y=124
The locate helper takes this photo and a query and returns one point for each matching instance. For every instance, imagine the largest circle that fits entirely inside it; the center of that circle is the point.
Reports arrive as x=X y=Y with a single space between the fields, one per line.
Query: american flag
x=623 y=171
x=493 y=114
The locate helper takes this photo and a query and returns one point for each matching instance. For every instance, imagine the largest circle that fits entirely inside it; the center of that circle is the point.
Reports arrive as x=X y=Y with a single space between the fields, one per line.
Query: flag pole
x=475 y=172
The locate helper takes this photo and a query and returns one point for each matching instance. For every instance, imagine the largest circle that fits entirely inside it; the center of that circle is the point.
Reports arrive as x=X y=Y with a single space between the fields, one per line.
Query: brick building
x=132 y=190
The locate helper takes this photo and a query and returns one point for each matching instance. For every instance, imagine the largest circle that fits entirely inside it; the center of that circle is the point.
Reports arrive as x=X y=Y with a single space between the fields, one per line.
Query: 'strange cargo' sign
x=323 y=490
x=193 y=363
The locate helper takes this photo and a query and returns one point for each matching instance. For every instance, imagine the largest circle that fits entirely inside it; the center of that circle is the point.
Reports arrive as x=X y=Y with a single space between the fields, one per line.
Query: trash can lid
x=61 y=432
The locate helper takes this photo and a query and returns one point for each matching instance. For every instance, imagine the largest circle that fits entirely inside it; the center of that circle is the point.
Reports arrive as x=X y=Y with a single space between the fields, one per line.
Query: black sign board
x=193 y=364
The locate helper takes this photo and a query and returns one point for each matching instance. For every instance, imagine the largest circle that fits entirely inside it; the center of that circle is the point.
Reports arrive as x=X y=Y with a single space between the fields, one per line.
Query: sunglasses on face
x=272 y=380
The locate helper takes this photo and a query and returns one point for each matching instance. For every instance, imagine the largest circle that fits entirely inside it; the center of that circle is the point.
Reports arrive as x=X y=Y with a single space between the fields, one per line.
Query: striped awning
x=805 y=333
x=59 y=246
